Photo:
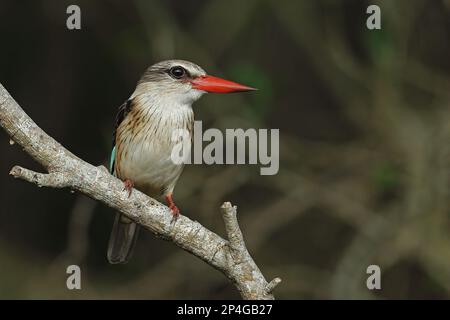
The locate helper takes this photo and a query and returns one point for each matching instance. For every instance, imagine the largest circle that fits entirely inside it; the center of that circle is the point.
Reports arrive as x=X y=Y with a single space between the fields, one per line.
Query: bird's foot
x=128 y=185
x=172 y=206
x=175 y=211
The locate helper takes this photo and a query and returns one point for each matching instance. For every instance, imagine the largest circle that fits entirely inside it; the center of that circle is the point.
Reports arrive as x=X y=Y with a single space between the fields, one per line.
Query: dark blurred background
x=364 y=119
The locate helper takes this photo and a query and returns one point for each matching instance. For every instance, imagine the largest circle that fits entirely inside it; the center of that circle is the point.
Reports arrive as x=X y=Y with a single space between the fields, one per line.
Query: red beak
x=218 y=85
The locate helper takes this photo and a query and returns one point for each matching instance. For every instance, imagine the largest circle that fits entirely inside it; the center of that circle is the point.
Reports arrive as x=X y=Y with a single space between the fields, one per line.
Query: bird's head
x=183 y=82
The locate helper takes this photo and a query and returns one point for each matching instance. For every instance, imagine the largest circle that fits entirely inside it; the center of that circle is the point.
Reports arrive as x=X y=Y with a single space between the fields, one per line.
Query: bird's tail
x=122 y=240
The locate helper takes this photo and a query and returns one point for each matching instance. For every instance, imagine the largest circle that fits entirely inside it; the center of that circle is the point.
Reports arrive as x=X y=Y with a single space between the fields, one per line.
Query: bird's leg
x=128 y=185
x=172 y=206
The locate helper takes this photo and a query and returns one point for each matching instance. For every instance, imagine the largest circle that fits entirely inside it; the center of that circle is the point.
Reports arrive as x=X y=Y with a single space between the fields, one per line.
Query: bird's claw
x=175 y=211
x=128 y=185
x=172 y=207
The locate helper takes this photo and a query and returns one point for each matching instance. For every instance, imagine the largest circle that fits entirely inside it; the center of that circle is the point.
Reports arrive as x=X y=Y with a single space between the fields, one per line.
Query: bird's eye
x=177 y=72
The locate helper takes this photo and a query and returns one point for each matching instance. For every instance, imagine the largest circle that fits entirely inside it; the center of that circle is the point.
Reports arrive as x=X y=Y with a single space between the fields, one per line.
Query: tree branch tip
x=16 y=172
x=226 y=205
x=52 y=179
x=273 y=284
x=227 y=208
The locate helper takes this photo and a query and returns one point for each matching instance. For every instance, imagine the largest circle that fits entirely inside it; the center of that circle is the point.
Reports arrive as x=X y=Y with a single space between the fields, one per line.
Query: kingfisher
x=142 y=138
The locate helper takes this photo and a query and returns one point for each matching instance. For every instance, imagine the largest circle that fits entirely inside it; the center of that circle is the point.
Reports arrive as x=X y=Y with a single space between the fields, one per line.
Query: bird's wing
x=124 y=232
x=124 y=109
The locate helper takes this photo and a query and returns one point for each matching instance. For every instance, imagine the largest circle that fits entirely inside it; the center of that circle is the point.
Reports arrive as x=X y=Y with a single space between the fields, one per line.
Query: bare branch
x=242 y=263
x=234 y=233
x=272 y=284
x=65 y=170
x=53 y=180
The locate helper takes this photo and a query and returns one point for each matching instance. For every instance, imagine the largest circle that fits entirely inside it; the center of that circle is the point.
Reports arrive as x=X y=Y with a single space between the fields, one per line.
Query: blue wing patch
x=112 y=161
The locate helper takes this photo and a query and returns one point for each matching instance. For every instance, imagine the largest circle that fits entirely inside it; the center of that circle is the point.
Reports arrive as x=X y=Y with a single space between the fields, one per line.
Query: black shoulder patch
x=124 y=109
